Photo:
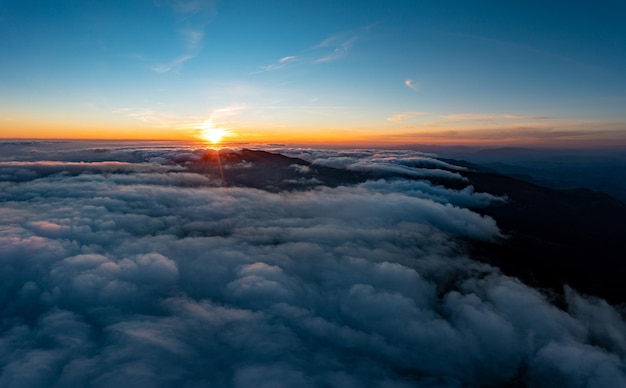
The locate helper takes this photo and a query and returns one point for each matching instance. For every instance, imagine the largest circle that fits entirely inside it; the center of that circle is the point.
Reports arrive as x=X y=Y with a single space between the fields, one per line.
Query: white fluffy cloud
x=136 y=277
x=411 y=164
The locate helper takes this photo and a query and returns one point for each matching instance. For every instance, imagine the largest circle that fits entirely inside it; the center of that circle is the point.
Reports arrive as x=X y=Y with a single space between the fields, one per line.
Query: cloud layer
x=150 y=275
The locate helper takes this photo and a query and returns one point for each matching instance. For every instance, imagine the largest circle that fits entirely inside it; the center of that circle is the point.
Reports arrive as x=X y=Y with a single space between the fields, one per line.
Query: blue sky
x=397 y=71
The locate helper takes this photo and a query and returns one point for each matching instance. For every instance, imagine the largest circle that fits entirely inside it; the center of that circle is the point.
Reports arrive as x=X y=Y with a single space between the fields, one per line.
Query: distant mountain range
x=600 y=169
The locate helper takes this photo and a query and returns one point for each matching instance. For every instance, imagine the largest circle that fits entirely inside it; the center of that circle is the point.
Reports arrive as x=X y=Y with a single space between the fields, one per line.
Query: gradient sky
x=377 y=72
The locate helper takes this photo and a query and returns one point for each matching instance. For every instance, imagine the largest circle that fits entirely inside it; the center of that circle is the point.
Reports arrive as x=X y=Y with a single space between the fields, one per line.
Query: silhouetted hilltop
x=554 y=237
x=557 y=236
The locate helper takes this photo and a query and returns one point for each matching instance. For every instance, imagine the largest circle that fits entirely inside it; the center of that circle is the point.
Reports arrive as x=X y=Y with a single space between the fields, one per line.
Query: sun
x=211 y=134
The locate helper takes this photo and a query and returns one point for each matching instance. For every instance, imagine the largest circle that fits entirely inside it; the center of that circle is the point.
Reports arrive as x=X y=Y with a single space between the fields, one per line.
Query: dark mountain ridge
x=554 y=237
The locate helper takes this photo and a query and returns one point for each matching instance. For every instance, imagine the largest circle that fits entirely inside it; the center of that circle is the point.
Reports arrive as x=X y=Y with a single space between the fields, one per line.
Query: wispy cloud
x=193 y=38
x=161 y=118
x=174 y=65
x=524 y=132
x=404 y=116
x=193 y=16
x=507 y=128
x=330 y=49
x=410 y=84
x=546 y=130
x=280 y=64
x=340 y=47
x=469 y=116
x=336 y=46
x=340 y=44
x=489 y=117
x=220 y=115
x=149 y=116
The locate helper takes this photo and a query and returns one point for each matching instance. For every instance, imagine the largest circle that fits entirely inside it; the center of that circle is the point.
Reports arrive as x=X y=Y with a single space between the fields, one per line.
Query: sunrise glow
x=213 y=135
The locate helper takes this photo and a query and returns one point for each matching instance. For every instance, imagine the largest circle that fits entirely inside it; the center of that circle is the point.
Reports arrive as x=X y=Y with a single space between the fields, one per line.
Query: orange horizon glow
x=207 y=132
x=332 y=142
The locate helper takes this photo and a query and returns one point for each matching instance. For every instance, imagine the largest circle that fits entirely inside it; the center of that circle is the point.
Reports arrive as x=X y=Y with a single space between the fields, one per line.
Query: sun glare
x=211 y=134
